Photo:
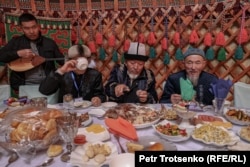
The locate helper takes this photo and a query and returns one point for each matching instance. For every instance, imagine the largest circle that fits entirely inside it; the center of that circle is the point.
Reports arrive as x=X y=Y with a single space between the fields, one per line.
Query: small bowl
x=123 y=160
x=185 y=114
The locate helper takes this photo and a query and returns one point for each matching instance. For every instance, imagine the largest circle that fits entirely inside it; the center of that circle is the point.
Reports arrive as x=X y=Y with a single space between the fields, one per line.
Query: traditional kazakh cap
x=79 y=51
x=136 y=51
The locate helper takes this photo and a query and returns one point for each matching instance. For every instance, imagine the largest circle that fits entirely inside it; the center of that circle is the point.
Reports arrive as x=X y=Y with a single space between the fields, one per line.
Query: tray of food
x=239 y=116
x=210 y=119
x=171 y=131
x=214 y=135
x=138 y=116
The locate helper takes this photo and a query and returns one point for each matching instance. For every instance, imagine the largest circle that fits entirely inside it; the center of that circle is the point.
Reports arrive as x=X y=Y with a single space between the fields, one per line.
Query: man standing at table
x=194 y=63
x=26 y=46
x=131 y=82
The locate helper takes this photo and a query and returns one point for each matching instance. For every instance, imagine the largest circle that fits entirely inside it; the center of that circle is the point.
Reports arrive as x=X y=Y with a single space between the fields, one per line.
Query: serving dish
x=238 y=116
x=97 y=112
x=109 y=104
x=172 y=131
x=138 y=116
x=95 y=132
x=76 y=157
x=244 y=133
x=210 y=119
x=239 y=146
x=214 y=135
x=82 y=104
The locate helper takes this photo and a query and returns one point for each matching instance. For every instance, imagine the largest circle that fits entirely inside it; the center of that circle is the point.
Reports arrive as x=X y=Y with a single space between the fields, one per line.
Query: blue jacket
x=145 y=81
x=172 y=86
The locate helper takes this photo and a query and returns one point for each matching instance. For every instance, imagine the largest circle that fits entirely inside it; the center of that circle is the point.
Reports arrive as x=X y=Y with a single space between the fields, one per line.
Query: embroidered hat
x=79 y=50
x=194 y=51
x=136 y=51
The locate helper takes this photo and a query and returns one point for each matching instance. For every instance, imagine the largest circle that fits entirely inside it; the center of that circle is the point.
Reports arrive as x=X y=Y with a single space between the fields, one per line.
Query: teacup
x=82 y=63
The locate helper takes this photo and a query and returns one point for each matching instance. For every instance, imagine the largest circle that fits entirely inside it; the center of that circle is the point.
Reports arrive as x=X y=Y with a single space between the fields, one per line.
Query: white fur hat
x=78 y=51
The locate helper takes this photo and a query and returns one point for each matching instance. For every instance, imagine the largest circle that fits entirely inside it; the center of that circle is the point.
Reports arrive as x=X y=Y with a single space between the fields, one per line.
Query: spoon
x=12 y=158
x=46 y=162
x=65 y=157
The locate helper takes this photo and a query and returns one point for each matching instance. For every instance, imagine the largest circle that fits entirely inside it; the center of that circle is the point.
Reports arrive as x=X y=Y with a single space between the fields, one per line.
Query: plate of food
x=82 y=104
x=97 y=112
x=172 y=131
x=237 y=116
x=93 y=154
x=244 y=133
x=214 y=135
x=214 y=120
x=138 y=116
x=85 y=119
x=109 y=104
x=149 y=143
x=94 y=132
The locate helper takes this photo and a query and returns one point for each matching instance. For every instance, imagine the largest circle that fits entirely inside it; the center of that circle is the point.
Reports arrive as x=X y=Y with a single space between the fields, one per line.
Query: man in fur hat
x=76 y=78
x=131 y=82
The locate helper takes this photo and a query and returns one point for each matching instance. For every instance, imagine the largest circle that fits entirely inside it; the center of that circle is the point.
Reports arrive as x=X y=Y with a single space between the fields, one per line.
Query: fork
x=117 y=137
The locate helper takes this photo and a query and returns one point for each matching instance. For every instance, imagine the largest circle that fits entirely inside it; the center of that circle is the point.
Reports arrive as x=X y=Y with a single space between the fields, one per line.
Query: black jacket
x=46 y=47
x=172 y=86
x=145 y=81
x=91 y=85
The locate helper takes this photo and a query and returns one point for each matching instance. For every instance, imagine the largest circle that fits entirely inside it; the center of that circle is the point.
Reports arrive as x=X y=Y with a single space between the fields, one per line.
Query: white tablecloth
x=190 y=144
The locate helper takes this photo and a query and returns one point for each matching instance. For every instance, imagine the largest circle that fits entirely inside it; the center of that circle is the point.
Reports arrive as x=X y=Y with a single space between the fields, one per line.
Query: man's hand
x=175 y=98
x=68 y=66
x=120 y=89
x=26 y=53
x=96 y=101
x=142 y=95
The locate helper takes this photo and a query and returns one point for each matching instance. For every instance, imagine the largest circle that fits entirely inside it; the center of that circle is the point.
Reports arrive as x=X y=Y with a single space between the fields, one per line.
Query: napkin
x=122 y=127
x=187 y=91
x=220 y=88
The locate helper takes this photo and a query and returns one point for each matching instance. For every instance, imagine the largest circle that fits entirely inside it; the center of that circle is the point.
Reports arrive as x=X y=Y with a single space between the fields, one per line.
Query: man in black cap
x=194 y=63
x=131 y=82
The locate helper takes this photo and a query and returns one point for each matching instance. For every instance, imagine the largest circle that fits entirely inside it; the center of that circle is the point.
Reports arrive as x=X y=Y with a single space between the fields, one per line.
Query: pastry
x=54 y=150
x=156 y=147
x=132 y=147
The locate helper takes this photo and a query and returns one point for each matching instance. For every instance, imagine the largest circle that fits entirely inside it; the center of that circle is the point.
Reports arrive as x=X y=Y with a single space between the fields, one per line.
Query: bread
x=156 y=147
x=54 y=150
x=132 y=147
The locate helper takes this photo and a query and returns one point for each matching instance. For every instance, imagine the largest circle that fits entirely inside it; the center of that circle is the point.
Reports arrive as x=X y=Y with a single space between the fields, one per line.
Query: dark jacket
x=145 y=81
x=46 y=47
x=172 y=86
x=91 y=85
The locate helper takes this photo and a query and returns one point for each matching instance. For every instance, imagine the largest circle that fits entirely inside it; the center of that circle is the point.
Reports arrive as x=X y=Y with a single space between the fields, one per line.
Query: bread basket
x=29 y=126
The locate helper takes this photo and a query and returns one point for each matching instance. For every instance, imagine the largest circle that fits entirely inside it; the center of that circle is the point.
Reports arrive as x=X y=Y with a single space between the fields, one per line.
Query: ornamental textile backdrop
x=58 y=30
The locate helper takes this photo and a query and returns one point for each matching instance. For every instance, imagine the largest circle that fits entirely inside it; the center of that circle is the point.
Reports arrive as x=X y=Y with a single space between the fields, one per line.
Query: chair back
x=32 y=91
x=4 y=92
x=241 y=95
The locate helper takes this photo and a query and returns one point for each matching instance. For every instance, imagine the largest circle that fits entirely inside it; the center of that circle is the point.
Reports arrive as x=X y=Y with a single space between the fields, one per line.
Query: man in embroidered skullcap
x=76 y=78
x=194 y=63
x=132 y=82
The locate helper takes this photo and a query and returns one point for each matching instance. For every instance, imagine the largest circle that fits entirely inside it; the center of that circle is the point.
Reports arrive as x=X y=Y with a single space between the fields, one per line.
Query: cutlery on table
x=46 y=162
x=13 y=157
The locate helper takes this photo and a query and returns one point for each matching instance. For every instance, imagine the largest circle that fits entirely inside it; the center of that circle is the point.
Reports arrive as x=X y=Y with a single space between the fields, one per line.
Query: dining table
x=41 y=156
